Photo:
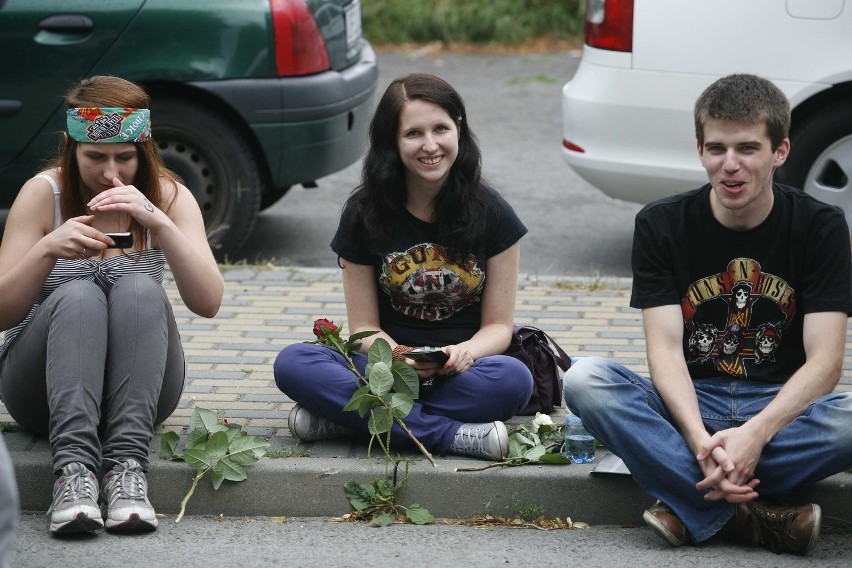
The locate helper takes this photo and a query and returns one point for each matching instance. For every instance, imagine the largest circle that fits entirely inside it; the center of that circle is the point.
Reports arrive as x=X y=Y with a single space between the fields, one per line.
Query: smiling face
x=740 y=161
x=100 y=163
x=428 y=143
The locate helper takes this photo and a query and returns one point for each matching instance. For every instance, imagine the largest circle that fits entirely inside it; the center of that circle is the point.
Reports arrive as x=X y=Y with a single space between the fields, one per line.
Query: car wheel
x=820 y=160
x=216 y=165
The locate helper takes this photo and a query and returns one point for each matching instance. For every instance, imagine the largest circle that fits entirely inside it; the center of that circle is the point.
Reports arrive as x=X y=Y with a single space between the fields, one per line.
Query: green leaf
x=380 y=350
x=227 y=469
x=168 y=446
x=233 y=431
x=516 y=449
x=356 y=402
x=419 y=515
x=206 y=420
x=217 y=445
x=198 y=458
x=405 y=379
x=216 y=478
x=400 y=405
x=380 y=378
x=246 y=450
x=555 y=459
x=360 y=495
x=196 y=438
x=380 y=421
x=362 y=335
x=534 y=453
x=383 y=519
x=531 y=440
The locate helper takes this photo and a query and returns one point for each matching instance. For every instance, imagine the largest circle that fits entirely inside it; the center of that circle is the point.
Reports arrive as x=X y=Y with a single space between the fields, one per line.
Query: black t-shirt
x=428 y=294
x=743 y=294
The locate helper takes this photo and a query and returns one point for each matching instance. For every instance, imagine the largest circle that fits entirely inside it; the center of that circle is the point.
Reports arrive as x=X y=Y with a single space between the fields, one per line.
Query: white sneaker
x=125 y=497
x=75 y=501
x=489 y=441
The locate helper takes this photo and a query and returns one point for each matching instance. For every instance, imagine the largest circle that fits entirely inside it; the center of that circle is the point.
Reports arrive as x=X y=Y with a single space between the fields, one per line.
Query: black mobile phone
x=122 y=240
x=427 y=354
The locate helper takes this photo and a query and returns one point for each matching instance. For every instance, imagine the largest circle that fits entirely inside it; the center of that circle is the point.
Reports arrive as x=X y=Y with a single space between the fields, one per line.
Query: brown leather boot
x=666 y=524
x=779 y=527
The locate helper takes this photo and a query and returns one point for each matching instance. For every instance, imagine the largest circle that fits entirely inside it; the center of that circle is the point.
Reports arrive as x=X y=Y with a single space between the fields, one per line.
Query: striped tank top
x=104 y=273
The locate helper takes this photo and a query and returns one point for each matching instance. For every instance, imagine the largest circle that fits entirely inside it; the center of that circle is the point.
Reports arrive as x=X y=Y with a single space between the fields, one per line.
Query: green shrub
x=476 y=21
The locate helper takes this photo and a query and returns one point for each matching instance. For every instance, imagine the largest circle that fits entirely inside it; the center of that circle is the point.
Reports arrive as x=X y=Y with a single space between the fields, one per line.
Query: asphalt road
x=206 y=542
x=514 y=107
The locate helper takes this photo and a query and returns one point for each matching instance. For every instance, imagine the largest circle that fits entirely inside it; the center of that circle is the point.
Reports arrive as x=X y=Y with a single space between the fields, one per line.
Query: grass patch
x=471 y=21
x=596 y=283
x=288 y=453
x=10 y=427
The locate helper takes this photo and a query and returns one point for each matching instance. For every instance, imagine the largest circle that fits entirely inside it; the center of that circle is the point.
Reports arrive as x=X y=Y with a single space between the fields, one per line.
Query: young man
x=744 y=287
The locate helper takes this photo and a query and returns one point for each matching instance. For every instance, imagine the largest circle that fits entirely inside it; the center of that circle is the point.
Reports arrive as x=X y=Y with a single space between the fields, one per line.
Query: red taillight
x=299 y=46
x=573 y=147
x=609 y=24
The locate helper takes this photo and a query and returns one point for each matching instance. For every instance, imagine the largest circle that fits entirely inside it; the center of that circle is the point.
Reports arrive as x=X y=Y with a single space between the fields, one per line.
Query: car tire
x=820 y=160
x=217 y=166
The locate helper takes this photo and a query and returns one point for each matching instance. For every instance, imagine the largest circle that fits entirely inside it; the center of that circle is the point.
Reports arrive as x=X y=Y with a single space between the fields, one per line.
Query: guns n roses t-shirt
x=743 y=294
x=429 y=294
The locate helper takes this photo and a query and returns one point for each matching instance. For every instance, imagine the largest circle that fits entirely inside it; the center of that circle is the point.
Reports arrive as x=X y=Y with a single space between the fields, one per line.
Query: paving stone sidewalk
x=265 y=308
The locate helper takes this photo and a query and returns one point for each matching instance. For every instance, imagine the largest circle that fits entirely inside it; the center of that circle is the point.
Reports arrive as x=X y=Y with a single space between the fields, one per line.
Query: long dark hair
x=462 y=207
x=108 y=91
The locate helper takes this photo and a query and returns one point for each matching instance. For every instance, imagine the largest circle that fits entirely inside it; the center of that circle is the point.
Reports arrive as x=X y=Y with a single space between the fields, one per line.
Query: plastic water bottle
x=579 y=445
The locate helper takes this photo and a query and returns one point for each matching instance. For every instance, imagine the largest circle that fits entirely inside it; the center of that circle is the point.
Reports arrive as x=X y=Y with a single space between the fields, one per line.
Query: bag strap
x=525 y=331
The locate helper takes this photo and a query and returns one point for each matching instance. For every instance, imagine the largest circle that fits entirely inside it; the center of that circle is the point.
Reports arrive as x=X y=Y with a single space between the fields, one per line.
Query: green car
x=249 y=97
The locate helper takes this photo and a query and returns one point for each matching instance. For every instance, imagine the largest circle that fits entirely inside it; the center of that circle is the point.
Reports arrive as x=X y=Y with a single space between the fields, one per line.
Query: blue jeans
x=495 y=388
x=623 y=410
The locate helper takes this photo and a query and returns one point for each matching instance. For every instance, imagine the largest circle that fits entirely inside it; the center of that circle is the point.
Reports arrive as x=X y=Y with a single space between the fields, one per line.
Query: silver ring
x=83 y=252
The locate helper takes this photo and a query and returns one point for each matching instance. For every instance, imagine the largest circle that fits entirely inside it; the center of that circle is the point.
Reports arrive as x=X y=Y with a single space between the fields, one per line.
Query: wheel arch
x=818 y=102
x=166 y=89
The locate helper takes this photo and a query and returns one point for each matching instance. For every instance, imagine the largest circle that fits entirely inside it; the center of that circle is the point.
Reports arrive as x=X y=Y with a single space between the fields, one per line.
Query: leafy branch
x=536 y=441
x=213 y=446
x=388 y=390
x=376 y=502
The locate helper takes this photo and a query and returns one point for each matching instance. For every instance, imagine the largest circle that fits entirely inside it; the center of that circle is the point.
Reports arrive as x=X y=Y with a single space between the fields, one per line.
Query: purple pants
x=495 y=388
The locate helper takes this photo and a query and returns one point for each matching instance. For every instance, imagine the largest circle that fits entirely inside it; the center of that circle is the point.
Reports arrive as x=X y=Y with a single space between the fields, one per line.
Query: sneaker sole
x=133 y=524
x=661 y=530
x=79 y=524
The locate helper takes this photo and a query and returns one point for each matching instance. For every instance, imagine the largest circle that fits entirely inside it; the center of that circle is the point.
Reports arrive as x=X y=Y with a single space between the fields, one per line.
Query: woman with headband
x=92 y=357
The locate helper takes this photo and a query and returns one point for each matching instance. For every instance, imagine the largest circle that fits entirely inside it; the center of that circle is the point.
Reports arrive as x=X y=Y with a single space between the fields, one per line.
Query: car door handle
x=9 y=107
x=67 y=23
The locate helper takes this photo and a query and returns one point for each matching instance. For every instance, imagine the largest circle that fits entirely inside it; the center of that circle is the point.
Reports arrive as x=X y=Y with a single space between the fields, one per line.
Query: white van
x=627 y=112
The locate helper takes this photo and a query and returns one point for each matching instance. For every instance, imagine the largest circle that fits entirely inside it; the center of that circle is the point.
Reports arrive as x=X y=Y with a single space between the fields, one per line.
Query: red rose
x=323 y=327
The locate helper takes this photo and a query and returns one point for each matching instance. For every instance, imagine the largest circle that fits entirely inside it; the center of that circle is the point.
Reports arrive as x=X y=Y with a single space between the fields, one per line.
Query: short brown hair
x=745 y=98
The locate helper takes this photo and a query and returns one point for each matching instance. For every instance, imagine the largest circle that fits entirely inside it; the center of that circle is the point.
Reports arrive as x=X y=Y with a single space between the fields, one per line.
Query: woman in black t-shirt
x=416 y=241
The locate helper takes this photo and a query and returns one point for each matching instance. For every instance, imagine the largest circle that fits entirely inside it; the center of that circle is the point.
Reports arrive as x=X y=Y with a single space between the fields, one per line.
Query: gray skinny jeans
x=96 y=372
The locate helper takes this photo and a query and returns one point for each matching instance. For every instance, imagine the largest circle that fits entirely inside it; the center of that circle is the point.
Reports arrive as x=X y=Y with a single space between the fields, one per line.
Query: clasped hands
x=728 y=459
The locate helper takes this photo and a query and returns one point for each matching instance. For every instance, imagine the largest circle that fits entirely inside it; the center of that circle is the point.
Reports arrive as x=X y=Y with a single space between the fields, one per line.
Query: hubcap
x=830 y=177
